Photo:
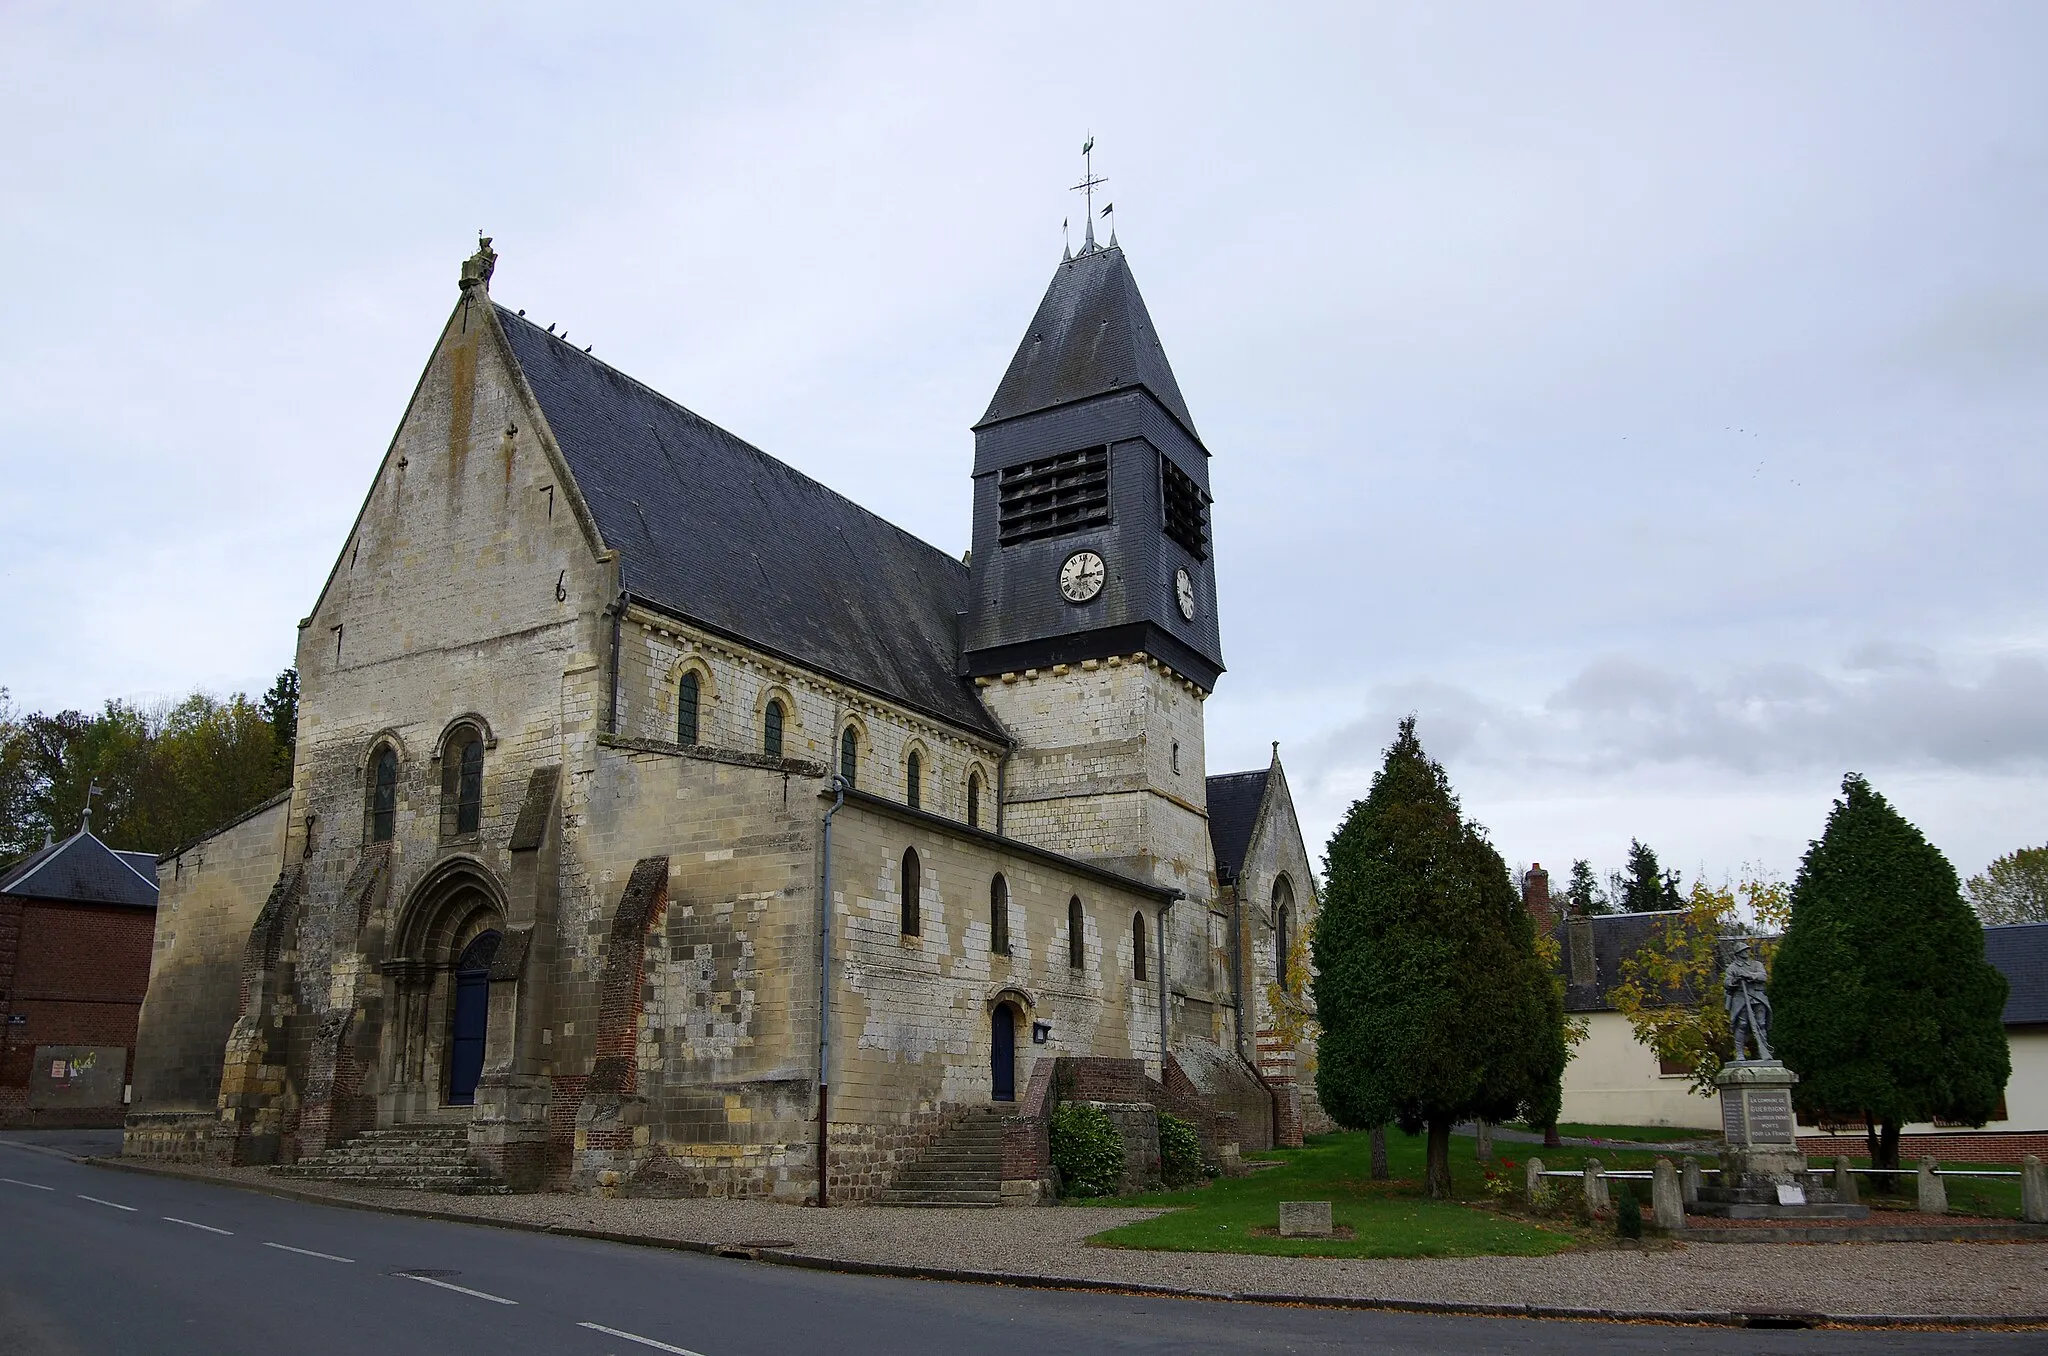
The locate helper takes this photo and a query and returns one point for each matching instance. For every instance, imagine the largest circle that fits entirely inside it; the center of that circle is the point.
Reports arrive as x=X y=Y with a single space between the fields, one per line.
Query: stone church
x=664 y=821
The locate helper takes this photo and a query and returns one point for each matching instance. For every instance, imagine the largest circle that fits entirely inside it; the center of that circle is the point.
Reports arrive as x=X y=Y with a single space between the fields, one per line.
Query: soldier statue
x=1749 y=1010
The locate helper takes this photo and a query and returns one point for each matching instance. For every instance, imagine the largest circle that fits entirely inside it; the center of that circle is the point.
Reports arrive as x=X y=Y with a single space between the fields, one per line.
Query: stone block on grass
x=1933 y=1191
x=1667 y=1202
x=1305 y=1219
x=2033 y=1191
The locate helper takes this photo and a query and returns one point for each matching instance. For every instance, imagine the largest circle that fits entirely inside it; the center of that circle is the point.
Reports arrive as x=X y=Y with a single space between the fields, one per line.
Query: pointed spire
x=1091 y=336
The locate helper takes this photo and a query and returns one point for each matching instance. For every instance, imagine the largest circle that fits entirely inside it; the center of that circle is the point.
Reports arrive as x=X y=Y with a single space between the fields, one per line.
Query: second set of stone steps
x=404 y=1158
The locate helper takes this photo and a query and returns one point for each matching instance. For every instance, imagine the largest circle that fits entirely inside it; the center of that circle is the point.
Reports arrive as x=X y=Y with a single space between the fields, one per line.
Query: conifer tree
x=1883 y=1002
x=1583 y=893
x=1434 y=1005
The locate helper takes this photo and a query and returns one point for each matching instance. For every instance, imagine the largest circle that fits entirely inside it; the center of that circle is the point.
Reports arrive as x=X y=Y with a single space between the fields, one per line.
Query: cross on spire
x=1090 y=181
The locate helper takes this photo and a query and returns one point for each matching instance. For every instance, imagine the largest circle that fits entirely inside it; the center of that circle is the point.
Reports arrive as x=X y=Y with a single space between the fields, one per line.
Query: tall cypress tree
x=1434 y=1005
x=1884 y=1004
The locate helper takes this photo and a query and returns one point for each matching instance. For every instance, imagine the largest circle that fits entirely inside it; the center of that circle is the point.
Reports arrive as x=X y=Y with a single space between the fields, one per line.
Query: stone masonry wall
x=912 y=1014
x=735 y=684
x=1111 y=768
x=1276 y=853
x=208 y=897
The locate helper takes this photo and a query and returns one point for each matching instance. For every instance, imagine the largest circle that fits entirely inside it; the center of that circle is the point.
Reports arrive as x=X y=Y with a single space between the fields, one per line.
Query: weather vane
x=1086 y=188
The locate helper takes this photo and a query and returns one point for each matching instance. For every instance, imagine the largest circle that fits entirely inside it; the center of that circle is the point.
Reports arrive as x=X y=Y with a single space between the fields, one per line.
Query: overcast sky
x=1651 y=397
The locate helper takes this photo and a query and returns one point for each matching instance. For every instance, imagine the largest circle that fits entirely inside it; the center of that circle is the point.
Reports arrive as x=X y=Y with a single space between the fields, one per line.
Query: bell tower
x=1092 y=630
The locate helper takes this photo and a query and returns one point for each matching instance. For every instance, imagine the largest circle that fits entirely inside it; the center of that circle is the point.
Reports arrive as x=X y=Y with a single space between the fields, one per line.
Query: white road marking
x=308 y=1252
x=195 y=1224
x=461 y=1289
x=636 y=1337
x=38 y=1186
x=97 y=1201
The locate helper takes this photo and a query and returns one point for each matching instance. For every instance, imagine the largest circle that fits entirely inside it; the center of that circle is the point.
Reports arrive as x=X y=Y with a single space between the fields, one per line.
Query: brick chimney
x=1536 y=897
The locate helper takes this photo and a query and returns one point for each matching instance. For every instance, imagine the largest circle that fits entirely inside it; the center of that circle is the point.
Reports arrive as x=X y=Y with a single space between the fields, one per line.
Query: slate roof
x=1616 y=936
x=83 y=870
x=2020 y=951
x=1234 y=800
x=1091 y=335
x=718 y=532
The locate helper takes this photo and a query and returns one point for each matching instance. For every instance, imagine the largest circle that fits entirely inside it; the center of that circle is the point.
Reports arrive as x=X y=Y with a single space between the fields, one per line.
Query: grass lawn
x=1388 y=1219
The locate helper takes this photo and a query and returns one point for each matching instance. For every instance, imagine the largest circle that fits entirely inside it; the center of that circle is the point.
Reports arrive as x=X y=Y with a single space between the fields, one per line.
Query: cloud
x=1892 y=707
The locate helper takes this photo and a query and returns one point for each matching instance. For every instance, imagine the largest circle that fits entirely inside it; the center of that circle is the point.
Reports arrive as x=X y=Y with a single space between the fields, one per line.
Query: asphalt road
x=94 y=1261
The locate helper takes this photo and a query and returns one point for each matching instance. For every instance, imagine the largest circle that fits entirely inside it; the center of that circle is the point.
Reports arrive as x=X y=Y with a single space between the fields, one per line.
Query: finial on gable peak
x=476 y=269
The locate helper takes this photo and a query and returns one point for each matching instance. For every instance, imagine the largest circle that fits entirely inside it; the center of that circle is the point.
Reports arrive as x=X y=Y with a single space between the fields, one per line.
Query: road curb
x=1024 y=1281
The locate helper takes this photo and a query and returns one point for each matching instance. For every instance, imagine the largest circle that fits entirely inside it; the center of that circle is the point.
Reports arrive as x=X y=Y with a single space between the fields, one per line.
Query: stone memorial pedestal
x=1763 y=1173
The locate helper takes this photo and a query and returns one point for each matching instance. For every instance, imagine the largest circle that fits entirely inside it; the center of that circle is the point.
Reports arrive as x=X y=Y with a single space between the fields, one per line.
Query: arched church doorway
x=1003 y=1053
x=470 y=1024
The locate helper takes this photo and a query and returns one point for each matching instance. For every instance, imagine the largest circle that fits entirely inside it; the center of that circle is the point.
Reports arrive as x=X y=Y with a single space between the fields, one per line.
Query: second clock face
x=1184 y=593
x=1081 y=577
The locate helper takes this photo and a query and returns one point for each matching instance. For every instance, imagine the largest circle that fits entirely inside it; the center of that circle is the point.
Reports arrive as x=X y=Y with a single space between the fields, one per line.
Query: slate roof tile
x=83 y=870
x=1091 y=335
x=718 y=532
x=1234 y=800
x=2020 y=951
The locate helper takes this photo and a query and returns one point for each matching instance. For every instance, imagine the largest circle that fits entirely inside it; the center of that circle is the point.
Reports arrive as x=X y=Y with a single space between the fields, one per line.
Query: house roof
x=1234 y=801
x=83 y=870
x=716 y=531
x=1614 y=937
x=1091 y=336
x=2020 y=951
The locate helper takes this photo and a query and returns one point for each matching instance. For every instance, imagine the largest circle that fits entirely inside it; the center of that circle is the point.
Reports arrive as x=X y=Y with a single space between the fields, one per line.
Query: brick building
x=76 y=920
x=612 y=726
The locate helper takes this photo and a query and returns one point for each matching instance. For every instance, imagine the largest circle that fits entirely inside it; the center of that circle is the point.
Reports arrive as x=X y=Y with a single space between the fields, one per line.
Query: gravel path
x=1859 y=1278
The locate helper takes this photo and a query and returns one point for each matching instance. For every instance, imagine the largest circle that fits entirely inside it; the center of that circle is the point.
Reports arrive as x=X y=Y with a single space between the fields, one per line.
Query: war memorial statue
x=1763 y=1173
x=1749 y=1009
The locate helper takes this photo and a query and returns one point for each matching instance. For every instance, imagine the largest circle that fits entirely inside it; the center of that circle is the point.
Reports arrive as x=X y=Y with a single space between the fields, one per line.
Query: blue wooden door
x=472 y=1019
x=1003 y=1053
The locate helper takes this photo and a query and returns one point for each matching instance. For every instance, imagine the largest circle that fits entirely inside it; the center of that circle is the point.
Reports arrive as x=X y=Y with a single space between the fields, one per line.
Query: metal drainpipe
x=825 y=990
x=1237 y=965
x=1165 y=987
x=611 y=719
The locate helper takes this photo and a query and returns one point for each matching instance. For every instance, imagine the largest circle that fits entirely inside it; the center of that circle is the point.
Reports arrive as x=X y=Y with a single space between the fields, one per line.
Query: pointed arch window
x=771 y=728
x=999 y=916
x=974 y=800
x=913 y=886
x=689 y=700
x=1283 y=927
x=849 y=755
x=1076 y=924
x=462 y=781
x=383 y=797
x=1137 y=946
x=914 y=781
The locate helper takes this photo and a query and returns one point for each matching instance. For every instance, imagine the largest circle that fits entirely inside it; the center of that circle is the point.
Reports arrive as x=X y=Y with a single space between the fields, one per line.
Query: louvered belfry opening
x=1052 y=495
x=1187 y=508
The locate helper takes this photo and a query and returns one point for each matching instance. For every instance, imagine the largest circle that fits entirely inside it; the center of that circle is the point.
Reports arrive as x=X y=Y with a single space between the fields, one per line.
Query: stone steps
x=962 y=1168
x=404 y=1158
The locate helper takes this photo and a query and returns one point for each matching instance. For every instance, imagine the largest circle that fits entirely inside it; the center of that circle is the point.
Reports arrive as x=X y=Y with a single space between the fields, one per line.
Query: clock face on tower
x=1081 y=577
x=1184 y=592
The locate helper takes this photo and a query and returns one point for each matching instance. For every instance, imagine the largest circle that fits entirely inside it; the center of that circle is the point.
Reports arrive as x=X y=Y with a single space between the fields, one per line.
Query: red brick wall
x=1955 y=1146
x=77 y=972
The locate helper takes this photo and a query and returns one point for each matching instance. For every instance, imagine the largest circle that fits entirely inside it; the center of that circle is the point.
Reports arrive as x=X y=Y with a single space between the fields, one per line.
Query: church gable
x=719 y=533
